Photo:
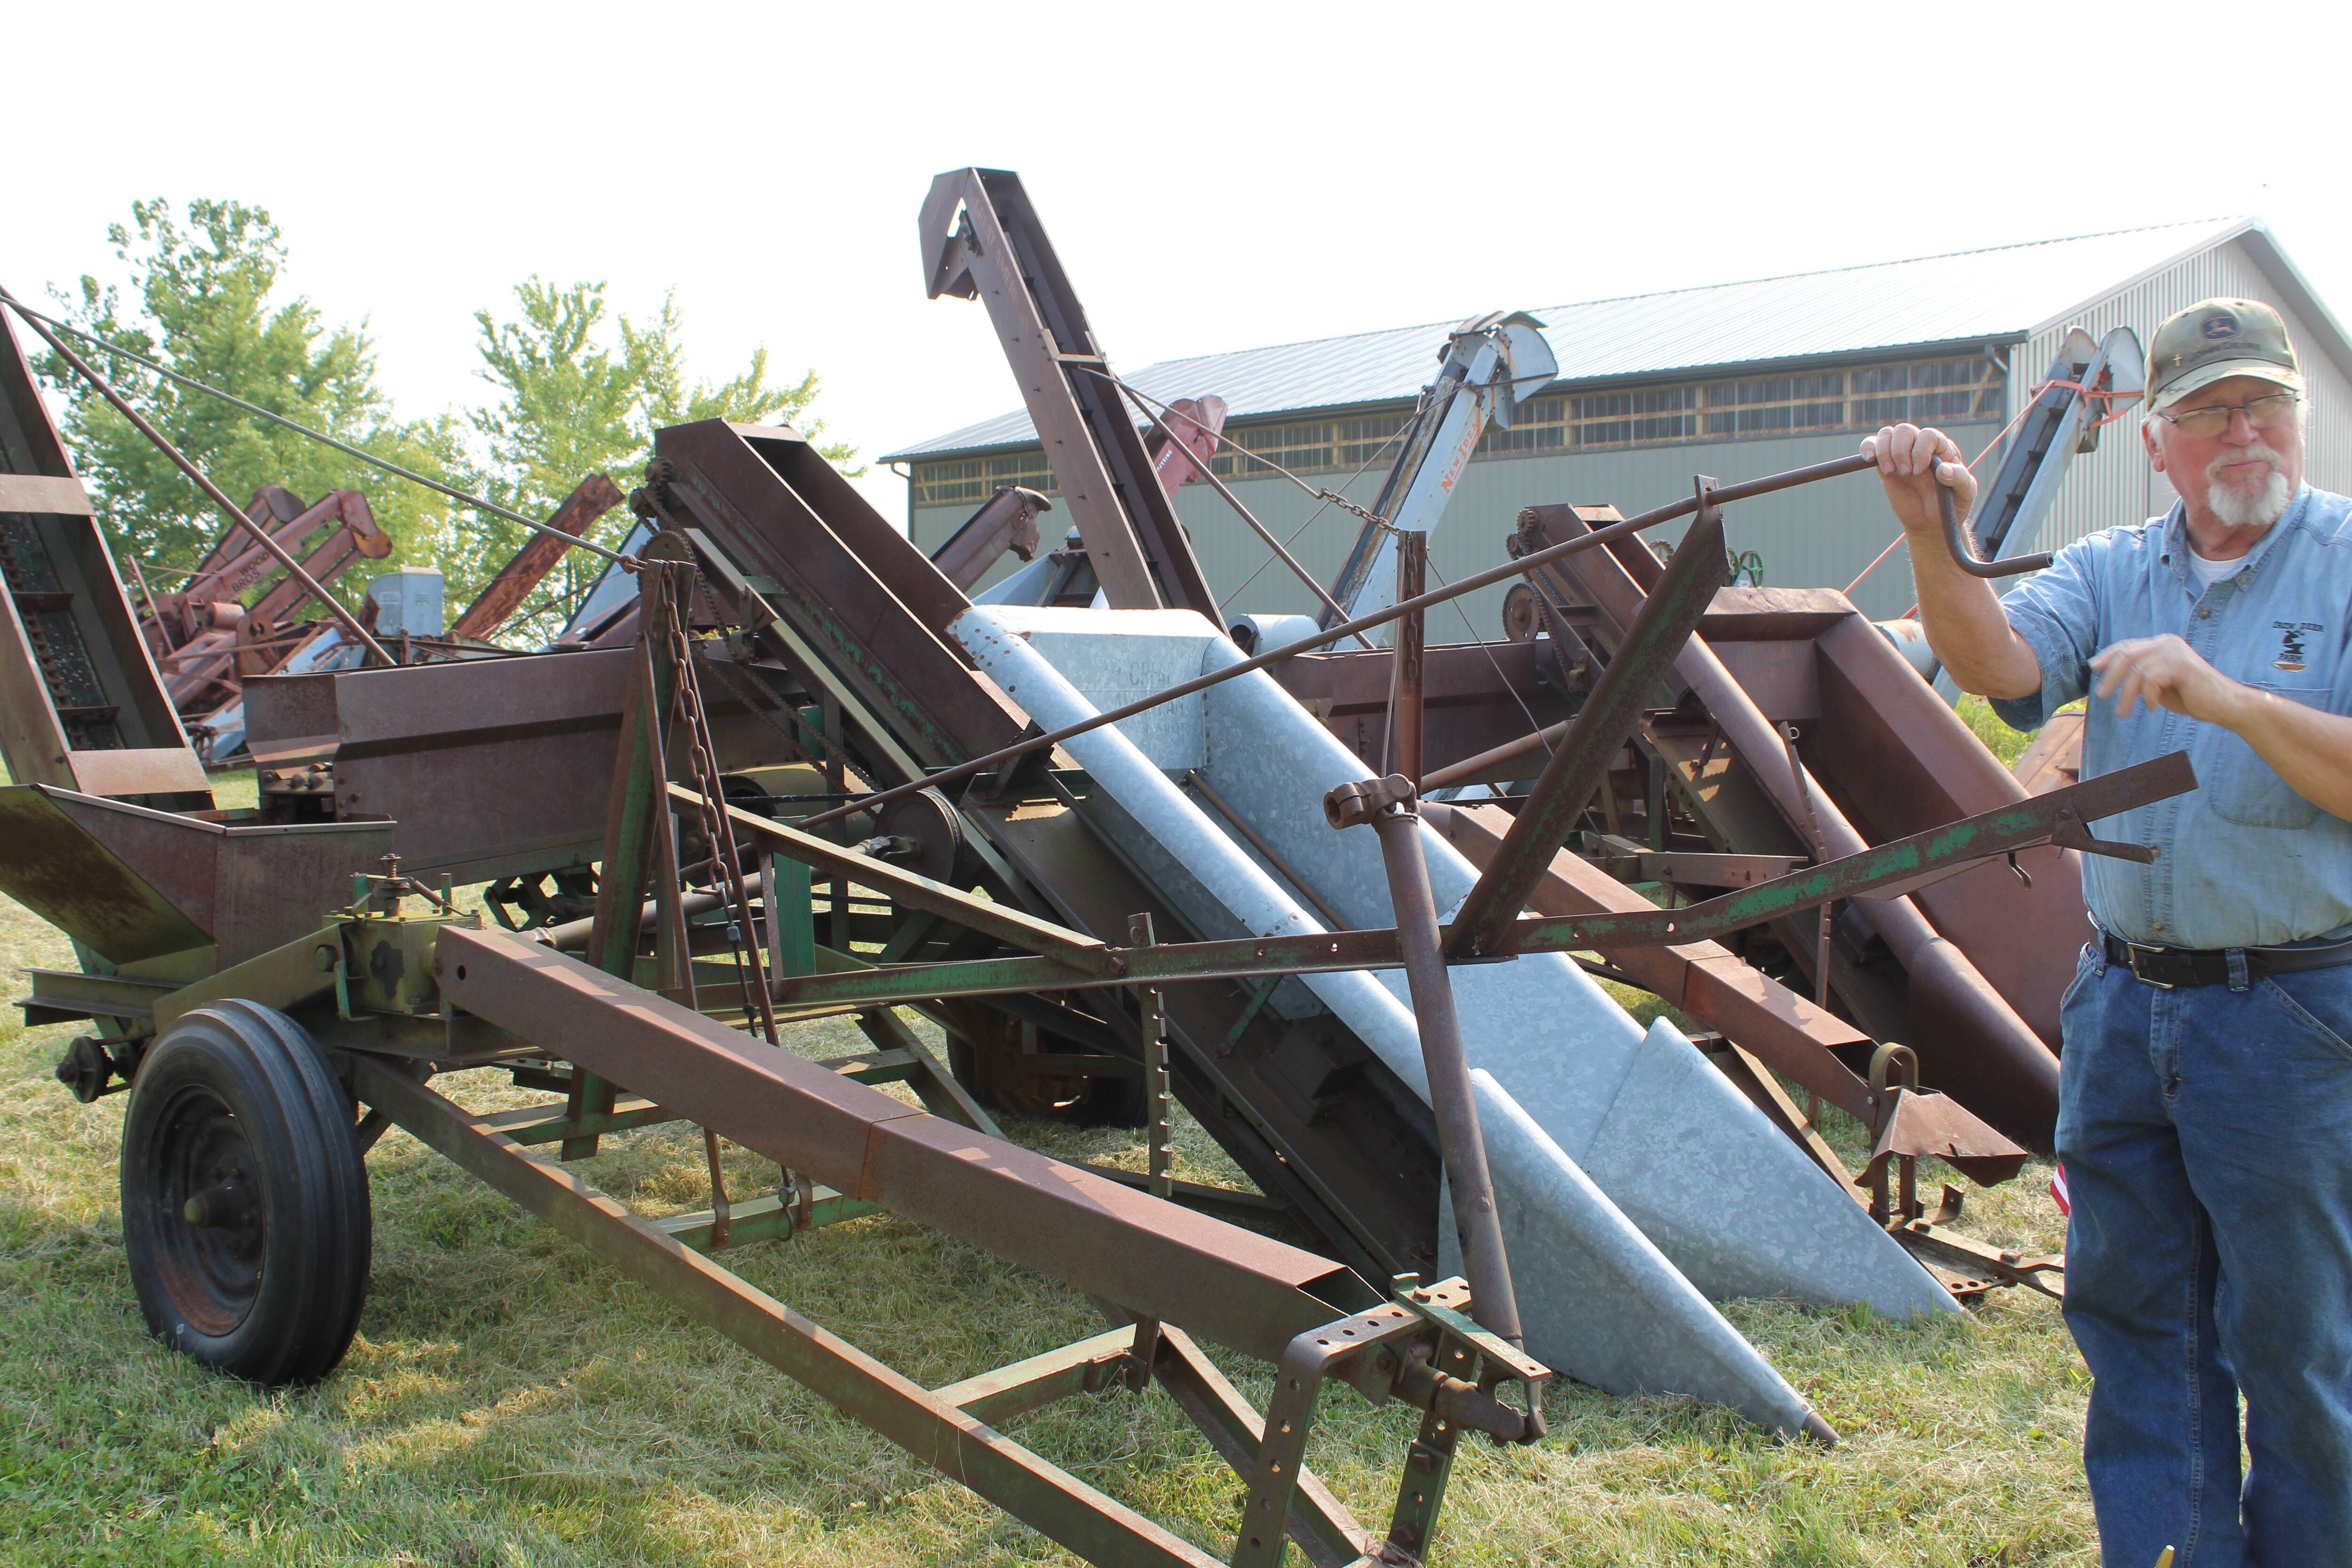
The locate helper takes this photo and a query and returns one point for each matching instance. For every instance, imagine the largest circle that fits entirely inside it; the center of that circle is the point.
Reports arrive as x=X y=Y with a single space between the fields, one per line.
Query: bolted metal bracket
x=2069 y=831
x=1360 y=800
x=1421 y=1349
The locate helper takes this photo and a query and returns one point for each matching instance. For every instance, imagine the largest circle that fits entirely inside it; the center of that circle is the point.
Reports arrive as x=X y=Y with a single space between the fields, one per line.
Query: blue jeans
x=2207 y=1134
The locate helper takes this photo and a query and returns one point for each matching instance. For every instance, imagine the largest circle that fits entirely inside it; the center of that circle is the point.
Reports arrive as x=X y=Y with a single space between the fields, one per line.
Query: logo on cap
x=2221 y=327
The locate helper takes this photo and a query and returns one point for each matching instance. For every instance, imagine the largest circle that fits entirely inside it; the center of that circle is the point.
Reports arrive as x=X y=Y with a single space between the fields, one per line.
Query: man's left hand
x=2164 y=672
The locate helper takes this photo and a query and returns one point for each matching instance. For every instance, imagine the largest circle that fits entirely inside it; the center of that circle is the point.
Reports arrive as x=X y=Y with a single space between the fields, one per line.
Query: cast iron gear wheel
x=244 y=1196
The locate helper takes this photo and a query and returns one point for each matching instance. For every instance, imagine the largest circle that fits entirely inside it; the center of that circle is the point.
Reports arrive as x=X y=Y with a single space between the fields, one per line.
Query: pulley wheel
x=1519 y=616
x=928 y=819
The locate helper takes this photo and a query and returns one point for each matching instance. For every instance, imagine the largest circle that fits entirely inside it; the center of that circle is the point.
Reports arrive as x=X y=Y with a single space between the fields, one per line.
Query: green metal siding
x=1821 y=536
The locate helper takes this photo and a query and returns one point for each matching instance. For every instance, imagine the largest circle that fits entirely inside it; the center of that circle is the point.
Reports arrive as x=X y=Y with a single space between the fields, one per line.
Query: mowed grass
x=512 y=1403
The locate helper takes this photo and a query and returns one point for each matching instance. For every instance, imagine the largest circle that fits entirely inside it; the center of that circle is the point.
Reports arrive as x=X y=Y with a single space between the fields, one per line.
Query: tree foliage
x=201 y=301
x=574 y=397
x=577 y=390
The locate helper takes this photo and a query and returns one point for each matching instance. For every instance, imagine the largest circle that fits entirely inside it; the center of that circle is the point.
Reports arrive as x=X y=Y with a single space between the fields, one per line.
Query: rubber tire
x=295 y=1118
x=1113 y=1102
x=1107 y=1102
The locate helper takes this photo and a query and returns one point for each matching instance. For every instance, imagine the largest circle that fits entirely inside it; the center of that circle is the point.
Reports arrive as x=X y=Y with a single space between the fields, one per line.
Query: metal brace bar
x=916 y=891
x=1048 y=1498
x=1486 y=922
x=2020 y=825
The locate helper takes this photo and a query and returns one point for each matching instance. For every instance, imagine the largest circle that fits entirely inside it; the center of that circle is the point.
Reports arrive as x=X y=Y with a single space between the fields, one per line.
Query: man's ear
x=2154 y=451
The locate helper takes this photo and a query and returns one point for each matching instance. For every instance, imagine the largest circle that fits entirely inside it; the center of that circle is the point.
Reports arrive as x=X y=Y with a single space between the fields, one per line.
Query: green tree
x=656 y=359
x=200 y=300
x=573 y=399
x=576 y=394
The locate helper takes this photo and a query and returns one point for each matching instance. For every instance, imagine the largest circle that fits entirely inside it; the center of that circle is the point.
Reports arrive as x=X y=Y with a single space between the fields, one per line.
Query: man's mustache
x=2251 y=452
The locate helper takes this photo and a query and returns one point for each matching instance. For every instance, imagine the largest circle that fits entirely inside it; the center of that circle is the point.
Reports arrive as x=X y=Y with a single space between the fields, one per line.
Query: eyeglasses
x=2263 y=414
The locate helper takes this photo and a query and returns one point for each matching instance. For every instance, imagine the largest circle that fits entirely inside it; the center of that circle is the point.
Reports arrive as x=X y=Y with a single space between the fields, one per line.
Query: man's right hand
x=1964 y=621
x=1912 y=462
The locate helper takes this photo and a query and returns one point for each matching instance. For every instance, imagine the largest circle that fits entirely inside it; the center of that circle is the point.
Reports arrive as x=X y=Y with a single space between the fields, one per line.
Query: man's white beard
x=2237 y=506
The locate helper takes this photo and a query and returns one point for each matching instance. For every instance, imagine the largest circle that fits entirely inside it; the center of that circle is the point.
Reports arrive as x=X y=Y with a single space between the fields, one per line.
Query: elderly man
x=2205 y=1117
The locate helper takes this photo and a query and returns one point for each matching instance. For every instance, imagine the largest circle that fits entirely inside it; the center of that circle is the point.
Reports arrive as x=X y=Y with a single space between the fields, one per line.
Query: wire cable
x=1500 y=678
x=1292 y=538
x=1281 y=550
x=1330 y=497
x=628 y=562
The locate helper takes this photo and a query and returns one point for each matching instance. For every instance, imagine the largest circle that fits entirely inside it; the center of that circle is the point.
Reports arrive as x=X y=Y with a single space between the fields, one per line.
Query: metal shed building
x=1732 y=380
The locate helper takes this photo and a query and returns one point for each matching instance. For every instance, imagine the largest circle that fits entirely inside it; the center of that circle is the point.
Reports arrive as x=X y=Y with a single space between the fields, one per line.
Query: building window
x=1294 y=446
x=1927 y=390
x=1816 y=403
x=1776 y=404
x=1541 y=427
x=1370 y=440
x=968 y=481
x=1653 y=417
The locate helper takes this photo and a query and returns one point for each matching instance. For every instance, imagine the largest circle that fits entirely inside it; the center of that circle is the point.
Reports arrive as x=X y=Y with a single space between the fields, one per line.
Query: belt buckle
x=2134 y=951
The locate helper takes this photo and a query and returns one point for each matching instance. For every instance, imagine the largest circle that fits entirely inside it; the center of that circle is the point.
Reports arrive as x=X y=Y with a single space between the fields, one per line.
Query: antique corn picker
x=1064 y=854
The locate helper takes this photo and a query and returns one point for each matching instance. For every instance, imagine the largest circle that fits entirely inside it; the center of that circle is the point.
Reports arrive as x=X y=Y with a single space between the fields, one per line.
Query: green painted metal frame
x=636 y=831
x=1946 y=850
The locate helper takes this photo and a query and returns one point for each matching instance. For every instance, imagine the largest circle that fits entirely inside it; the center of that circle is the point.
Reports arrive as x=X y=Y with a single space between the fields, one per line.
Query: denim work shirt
x=2242 y=860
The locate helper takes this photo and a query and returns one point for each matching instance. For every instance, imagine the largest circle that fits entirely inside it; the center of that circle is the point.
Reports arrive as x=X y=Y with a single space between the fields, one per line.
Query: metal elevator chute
x=982 y=239
x=1489 y=366
x=82 y=705
x=2063 y=422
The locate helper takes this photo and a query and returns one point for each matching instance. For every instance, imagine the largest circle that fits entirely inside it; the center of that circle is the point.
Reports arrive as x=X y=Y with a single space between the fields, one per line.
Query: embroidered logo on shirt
x=2291 y=636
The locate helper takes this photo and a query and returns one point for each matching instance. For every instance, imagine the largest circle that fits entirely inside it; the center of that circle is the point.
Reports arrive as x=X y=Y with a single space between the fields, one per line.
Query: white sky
x=1214 y=175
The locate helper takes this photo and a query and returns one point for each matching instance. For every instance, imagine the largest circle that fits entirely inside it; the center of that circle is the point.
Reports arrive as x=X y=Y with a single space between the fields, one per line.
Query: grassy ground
x=2004 y=743
x=512 y=1404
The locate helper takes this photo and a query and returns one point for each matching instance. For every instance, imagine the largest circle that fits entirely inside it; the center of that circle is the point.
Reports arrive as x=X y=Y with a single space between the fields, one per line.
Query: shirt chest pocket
x=2241 y=787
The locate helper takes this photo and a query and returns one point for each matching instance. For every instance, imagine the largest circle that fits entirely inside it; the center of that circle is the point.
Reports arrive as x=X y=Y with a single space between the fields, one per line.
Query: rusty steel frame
x=1978 y=962
x=223 y=575
x=951 y=1427
x=790 y=559
x=1388 y=808
x=1147 y=1260
x=1000 y=252
x=1718 y=497
x=933 y=1427
x=196 y=476
x=1485 y=922
x=1237 y=1288
x=591 y=498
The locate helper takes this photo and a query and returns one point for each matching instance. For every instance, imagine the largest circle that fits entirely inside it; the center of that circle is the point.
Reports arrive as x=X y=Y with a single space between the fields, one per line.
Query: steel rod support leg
x=1388 y=808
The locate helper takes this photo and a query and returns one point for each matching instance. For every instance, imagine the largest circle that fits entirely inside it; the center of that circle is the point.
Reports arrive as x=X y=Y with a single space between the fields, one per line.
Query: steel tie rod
x=1723 y=495
x=35 y=320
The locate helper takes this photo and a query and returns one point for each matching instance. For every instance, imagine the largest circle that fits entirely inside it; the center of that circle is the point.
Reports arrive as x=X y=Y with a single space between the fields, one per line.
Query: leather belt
x=2172 y=967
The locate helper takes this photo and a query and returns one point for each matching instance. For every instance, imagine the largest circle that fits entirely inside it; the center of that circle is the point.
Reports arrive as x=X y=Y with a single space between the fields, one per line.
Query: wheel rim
x=210 y=1226
x=1026 y=1093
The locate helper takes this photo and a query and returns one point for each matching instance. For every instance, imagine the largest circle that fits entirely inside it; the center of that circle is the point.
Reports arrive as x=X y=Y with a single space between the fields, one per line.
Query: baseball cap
x=2215 y=339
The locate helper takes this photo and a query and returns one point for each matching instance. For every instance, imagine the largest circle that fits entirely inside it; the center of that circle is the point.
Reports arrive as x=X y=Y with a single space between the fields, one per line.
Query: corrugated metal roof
x=2008 y=292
